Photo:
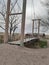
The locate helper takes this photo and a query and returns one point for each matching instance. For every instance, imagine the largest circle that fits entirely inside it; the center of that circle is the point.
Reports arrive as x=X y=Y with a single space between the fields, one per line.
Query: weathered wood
x=33 y=28
x=27 y=41
x=7 y=22
x=38 y=27
x=15 y=14
x=23 y=22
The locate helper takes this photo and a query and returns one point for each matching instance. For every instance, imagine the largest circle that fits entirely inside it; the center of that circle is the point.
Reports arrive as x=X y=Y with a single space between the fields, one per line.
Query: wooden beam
x=23 y=22
x=38 y=27
x=32 y=28
x=15 y=14
x=35 y=19
x=7 y=22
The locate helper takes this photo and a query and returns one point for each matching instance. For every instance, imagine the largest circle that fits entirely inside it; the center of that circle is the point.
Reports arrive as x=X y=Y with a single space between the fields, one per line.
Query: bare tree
x=13 y=19
x=45 y=3
x=45 y=19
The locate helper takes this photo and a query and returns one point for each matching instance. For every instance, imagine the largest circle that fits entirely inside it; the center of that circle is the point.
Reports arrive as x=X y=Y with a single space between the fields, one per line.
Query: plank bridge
x=26 y=41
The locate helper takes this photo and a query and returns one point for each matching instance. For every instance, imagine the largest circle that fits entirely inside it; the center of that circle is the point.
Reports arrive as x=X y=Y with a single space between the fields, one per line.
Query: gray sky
x=40 y=12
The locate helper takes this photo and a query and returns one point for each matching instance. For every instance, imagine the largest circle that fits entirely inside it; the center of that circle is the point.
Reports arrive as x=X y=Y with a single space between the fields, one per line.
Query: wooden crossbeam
x=35 y=19
x=15 y=13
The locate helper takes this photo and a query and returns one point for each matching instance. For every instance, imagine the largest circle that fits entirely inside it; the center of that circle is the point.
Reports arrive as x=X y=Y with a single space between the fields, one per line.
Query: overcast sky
x=34 y=6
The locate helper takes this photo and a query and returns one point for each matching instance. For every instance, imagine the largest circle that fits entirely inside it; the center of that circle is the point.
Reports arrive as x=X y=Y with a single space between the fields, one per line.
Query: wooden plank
x=25 y=41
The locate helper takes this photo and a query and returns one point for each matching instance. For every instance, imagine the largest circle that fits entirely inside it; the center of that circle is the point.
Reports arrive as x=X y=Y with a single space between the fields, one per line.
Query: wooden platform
x=25 y=41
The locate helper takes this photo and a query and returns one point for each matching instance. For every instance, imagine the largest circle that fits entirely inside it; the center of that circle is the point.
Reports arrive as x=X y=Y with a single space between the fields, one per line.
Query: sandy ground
x=15 y=55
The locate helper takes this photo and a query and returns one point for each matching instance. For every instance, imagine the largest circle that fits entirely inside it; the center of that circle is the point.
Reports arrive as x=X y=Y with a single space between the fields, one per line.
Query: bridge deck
x=25 y=41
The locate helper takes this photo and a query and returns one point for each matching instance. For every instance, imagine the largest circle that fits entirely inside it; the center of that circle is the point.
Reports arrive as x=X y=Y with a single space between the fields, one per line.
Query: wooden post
x=23 y=22
x=33 y=28
x=38 y=27
x=7 y=22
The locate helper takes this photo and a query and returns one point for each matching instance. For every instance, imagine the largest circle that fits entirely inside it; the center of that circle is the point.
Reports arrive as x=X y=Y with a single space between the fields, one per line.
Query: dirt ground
x=48 y=43
x=15 y=55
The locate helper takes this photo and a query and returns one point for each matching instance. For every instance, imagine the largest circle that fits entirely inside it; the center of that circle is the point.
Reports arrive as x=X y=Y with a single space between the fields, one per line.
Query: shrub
x=43 y=43
x=36 y=44
x=1 y=41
